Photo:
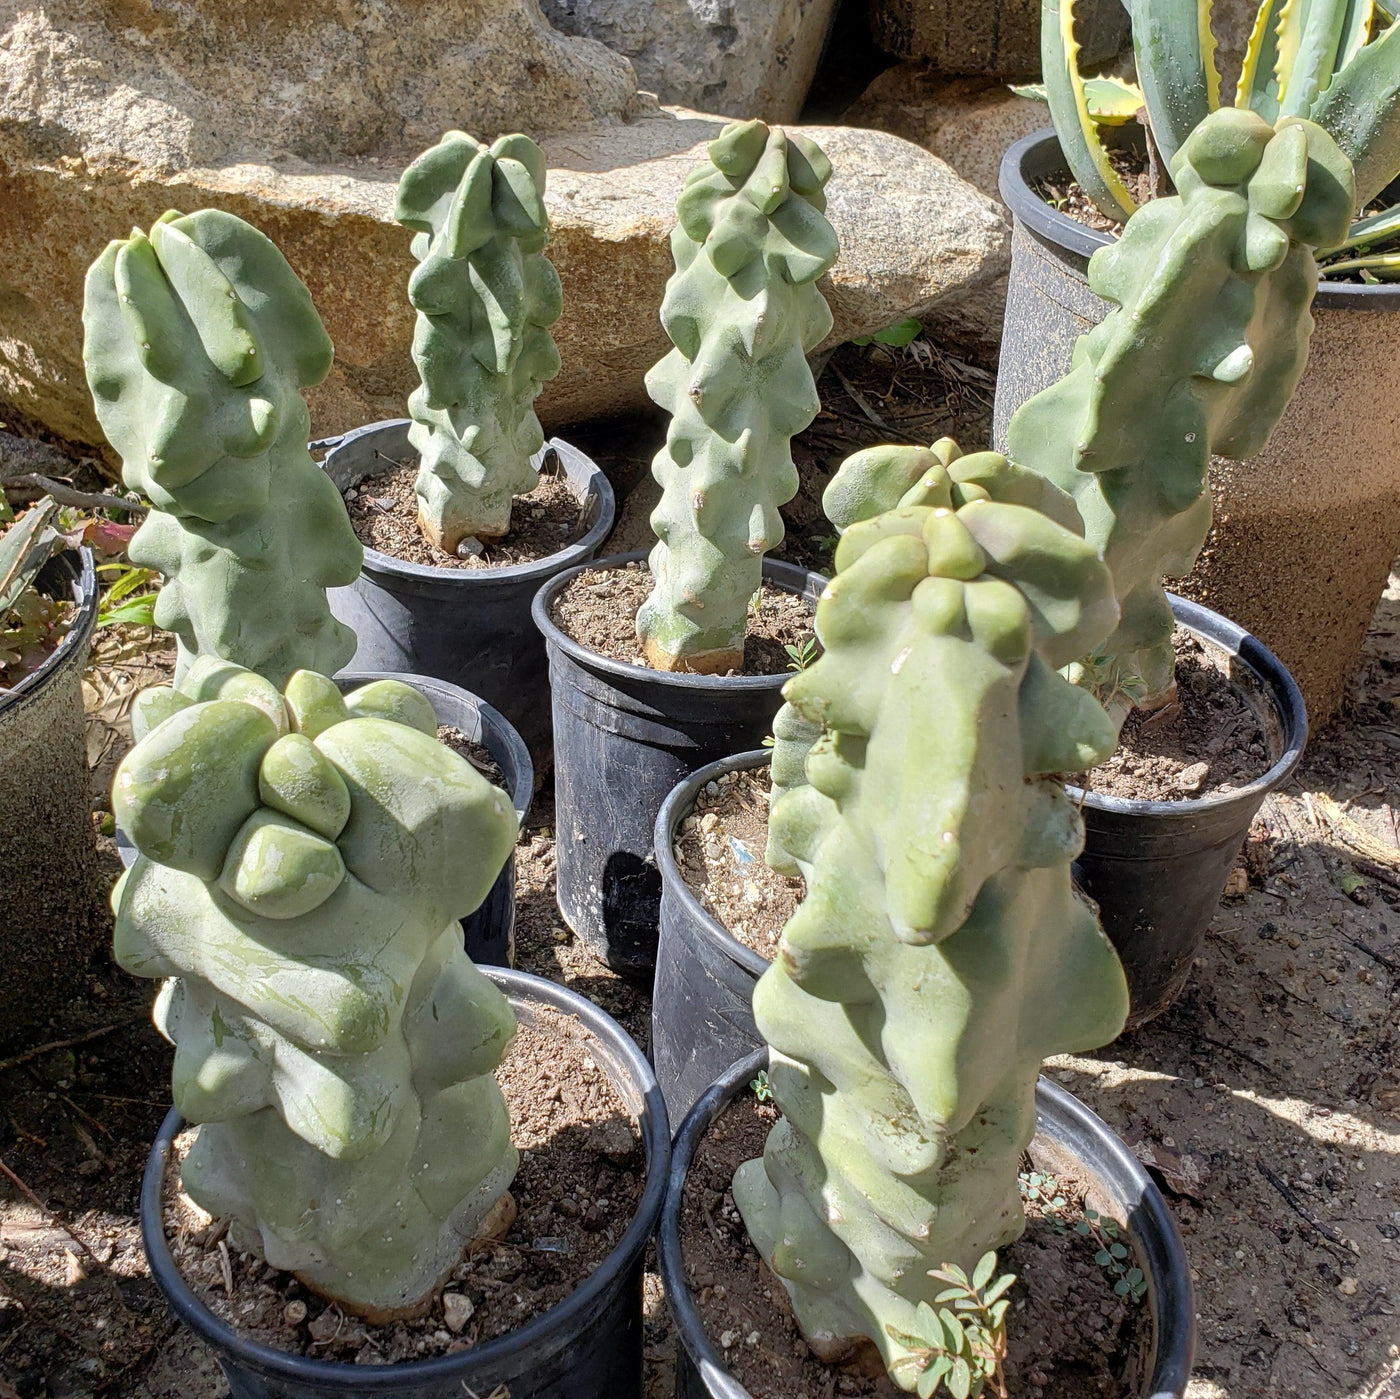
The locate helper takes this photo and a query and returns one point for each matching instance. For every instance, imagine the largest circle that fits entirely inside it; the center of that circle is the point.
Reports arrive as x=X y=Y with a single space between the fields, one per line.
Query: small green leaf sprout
x=800 y=657
x=1112 y=1254
x=959 y=1349
x=760 y=1087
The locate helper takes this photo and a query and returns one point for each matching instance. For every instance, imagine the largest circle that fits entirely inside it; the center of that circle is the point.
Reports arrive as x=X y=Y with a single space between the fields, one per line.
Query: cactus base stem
x=720 y=662
x=448 y=540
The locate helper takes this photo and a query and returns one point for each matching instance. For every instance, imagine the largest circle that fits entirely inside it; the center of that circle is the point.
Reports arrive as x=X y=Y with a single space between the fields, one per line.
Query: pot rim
x=354 y=1379
x=83 y=593
x=1171 y=1294
x=1054 y=227
x=596 y=485
x=787 y=576
x=1278 y=684
x=679 y=803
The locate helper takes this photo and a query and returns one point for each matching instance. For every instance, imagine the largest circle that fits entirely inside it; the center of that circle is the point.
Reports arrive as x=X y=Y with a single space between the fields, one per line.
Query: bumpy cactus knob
x=1208 y=337
x=941 y=951
x=303 y=863
x=486 y=296
x=198 y=341
x=742 y=310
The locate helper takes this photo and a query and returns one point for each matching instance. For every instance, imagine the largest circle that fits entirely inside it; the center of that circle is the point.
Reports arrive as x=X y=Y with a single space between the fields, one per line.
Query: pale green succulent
x=1206 y=340
x=303 y=863
x=743 y=312
x=486 y=296
x=941 y=952
x=198 y=341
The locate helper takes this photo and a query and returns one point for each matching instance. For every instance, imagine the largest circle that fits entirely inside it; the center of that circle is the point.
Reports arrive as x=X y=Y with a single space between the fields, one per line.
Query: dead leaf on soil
x=1183 y=1172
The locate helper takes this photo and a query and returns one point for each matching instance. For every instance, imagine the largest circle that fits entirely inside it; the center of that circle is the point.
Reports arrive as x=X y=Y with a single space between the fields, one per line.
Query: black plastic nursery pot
x=469 y=626
x=1306 y=530
x=1157 y=869
x=586 y=1347
x=1069 y=1138
x=624 y=735
x=47 y=841
x=702 y=1002
x=489 y=930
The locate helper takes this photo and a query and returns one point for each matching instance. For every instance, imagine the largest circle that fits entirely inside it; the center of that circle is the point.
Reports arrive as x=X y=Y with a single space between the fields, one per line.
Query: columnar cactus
x=304 y=861
x=486 y=296
x=743 y=311
x=1206 y=342
x=198 y=342
x=941 y=951
x=869 y=483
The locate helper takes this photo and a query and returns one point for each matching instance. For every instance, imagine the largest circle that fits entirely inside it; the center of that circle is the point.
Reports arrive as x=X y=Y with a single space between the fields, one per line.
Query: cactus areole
x=743 y=311
x=1204 y=346
x=941 y=952
x=486 y=296
x=198 y=341
x=303 y=862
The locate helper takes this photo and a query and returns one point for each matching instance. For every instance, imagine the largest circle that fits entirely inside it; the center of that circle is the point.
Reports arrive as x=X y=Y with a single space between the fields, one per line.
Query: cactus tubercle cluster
x=304 y=859
x=198 y=341
x=486 y=296
x=743 y=311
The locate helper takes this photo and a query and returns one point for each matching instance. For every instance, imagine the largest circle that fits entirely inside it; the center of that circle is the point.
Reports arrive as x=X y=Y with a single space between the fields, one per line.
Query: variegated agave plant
x=1335 y=62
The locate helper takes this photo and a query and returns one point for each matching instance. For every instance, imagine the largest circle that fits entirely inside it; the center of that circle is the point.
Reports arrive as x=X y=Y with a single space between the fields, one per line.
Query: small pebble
x=726 y=1339
x=1192 y=779
x=457 y=1310
x=1347 y=1287
x=294 y=1313
x=469 y=548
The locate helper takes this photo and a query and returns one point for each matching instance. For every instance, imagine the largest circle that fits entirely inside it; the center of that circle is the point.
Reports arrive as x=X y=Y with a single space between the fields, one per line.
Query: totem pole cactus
x=743 y=311
x=869 y=483
x=1208 y=337
x=198 y=342
x=941 y=951
x=486 y=296
x=304 y=861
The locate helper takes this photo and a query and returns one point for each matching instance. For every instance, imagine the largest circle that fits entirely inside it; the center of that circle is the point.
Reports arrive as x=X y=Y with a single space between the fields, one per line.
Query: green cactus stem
x=869 y=483
x=303 y=863
x=1208 y=337
x=941 y=951
x=486 y=296
x=743 y=311
x=198 y=342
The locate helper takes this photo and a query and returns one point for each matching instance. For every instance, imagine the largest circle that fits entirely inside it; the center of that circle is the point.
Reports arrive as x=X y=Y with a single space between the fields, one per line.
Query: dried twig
x=1300 y=1209
x=40 y=1049
x=859 y=400
x=45 y=1210
x=70 y=495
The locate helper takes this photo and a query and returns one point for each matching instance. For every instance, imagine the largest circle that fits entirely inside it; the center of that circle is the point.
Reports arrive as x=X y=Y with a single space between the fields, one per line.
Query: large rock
x=968 y=122
x=995 y=38
x=747 y=58
x=86 y=152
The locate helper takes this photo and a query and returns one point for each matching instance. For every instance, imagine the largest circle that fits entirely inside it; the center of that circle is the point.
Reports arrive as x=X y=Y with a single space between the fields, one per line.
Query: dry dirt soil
x=1268 y=1097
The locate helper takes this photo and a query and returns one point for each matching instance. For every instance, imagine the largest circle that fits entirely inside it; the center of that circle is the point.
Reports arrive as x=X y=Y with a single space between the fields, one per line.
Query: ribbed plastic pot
x=468 y=626
x=624 y=735
x=1306 y=531
x=1157 y=869
x=488 y=931
x=1069 y=1138
x=47 y=842
x=702 y=1002
x=586 y=1347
